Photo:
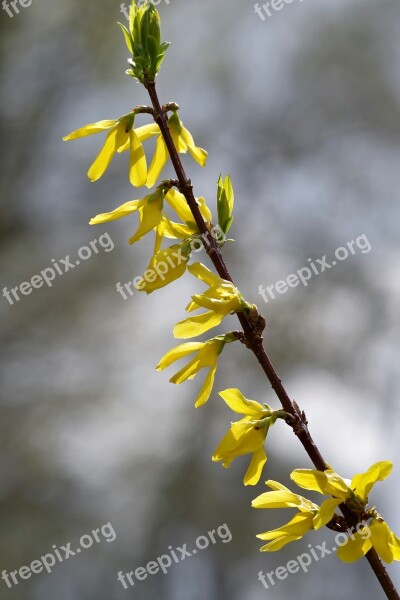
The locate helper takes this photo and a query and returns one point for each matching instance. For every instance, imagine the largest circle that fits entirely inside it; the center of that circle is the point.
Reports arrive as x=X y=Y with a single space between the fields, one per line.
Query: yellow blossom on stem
x=376 y=535
x=221 y=298
x=183 y=141
x=310 y=515
x=150 y=213
x=165 y=267
x=205 y=357
x=179 y=205
x=355 y=493
x=187 y=229
x=294 y=530
x=331 y=484
x=246 y=436
x=121 y=136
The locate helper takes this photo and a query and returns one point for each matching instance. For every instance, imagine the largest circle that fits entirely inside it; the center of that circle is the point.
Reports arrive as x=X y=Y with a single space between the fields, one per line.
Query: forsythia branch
x=222 y=297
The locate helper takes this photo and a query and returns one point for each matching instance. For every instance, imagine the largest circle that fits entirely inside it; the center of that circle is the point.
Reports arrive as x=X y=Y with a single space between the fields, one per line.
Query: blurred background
x=303 y=110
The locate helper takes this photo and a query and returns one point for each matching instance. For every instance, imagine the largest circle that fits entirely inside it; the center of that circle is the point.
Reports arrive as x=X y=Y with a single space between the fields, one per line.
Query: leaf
x=222 y=205
x=230 y=196
x=127 y=36
x=227 y=225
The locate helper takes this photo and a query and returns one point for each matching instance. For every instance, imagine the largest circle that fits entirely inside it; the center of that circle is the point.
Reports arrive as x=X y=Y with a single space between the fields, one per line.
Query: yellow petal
x=324 y=482
x=363 y=482
x=238 y=403
x=253 y=473
x=159 y=237
x=326 y=512
x=206 y=388
x=303 y=504
x=205 y=211
x=158 y=163
x=223 y=299
x=354 y=549
x=178 y=140
x=279 y=543
x=150 y=217
x=176 y=230
x=395 y=546
x=144 y=133
x=309 y=479
x=201 y=272
x=137 y=163
x=122 y=211
x=194 y=326
x=211 y=350
x=147 y=131
x=198 y=154
x=381 y=536
x=242 y=438
x=90 y=129
x=104 y=158
x=275 y=485
x=177 y=202
x=297 y=526
x=178 y=352
x=278 y=499
x=189 y=371
x=164 y=268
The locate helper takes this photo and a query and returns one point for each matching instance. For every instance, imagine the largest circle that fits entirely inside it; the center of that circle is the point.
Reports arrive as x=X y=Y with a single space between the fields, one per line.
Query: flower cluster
x=353 y=493
x=123 y=136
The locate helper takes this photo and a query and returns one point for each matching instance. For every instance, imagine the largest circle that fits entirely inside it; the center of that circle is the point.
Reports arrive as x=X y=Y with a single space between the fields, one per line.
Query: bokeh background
x=303 y=110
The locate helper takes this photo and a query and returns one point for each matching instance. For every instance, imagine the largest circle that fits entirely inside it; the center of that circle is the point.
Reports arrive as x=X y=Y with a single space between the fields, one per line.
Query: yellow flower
x=177 y=202
x=221 y=298
x=331 y=484
x=165 y=267
x=150 y=213
x=188 y=228
x=282 y=497
x=375 y=535
x=206 y=356
x=246 y=436
x=169 y=264
x=290 y=532
x=183 y=142
x=310 y=515
x=121 y=136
